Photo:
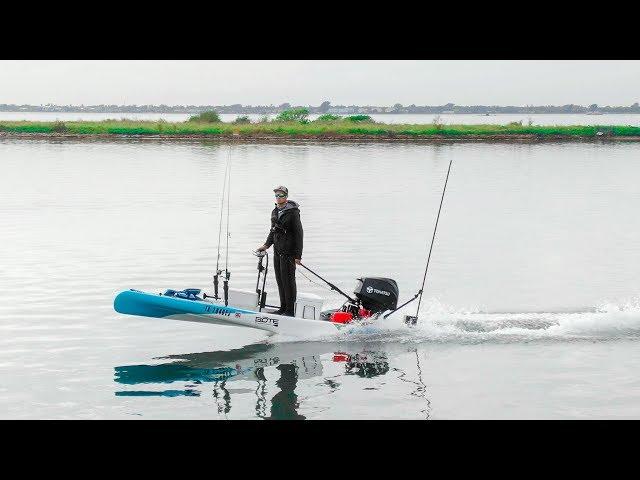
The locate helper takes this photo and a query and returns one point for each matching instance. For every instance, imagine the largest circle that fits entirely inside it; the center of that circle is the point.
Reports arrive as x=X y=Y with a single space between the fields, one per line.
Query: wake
x=441 y=324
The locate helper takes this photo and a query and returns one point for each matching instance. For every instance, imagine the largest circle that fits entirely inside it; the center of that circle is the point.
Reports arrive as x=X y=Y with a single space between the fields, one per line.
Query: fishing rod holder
x=215 y=285
x=225 y=286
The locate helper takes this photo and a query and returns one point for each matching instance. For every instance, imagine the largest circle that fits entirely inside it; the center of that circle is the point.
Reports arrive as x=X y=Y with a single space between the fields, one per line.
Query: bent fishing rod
x=411 y=319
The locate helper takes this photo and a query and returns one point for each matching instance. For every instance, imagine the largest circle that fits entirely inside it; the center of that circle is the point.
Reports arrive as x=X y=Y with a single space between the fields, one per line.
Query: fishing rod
x=218 y=271
x=333 y=287
x=410 y=319
x=227 y=274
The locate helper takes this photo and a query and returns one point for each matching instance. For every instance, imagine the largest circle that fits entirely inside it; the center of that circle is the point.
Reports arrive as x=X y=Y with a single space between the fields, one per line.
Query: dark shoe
x=278 y=312
x=288 y=314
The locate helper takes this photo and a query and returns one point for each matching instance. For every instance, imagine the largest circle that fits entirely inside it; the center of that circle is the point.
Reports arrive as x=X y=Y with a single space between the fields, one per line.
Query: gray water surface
x=531 y=309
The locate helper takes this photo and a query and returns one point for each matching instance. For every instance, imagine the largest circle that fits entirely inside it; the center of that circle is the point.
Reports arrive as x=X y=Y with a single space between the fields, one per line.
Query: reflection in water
x=367 y=364
x=284 y=404
x=165 y=393
x=225 y=407
x=294 y=362
x=261 y=393
x=421 y=388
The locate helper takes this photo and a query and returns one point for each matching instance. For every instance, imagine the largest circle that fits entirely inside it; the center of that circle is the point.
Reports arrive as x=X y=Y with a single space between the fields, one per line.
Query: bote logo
x=270 y=321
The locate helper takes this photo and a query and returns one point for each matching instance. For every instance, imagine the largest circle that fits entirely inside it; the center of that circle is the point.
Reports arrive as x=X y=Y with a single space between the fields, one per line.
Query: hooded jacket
x=286 y=230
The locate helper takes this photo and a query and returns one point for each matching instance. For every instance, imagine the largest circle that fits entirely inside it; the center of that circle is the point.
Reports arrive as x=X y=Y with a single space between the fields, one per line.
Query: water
x=448 y=119
x=531 y=309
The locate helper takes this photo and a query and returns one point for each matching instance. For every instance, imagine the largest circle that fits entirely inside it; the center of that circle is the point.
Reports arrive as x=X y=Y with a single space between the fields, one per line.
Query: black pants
x=285 y=268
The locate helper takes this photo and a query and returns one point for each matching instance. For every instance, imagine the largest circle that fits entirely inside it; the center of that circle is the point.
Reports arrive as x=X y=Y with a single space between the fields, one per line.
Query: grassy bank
x=337 y=129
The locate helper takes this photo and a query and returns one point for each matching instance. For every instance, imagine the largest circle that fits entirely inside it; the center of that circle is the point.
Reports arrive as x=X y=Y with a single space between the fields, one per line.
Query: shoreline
x=328 y=130
x=347 y=138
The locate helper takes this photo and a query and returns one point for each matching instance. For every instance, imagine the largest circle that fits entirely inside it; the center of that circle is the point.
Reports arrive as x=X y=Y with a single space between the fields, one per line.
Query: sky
x=310 y=82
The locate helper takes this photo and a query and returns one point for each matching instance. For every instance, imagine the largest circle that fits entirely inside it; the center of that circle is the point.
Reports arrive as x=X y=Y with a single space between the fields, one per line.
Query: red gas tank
x=340 y=357
x=341 y=317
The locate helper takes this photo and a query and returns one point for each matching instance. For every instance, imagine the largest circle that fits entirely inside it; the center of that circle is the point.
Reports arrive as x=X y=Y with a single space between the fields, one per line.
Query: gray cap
x=282 y=188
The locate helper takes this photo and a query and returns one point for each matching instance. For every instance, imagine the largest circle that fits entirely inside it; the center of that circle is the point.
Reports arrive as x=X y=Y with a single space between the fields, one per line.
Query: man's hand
x=298 y=261
x=262 y=248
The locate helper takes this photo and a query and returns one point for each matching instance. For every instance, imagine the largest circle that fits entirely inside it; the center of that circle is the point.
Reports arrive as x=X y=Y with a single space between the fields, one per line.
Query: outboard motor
x=373 y=296
x=377 y=294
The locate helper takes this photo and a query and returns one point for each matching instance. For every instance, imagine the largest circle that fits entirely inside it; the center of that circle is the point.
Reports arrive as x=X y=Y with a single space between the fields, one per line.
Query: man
x=286 y=237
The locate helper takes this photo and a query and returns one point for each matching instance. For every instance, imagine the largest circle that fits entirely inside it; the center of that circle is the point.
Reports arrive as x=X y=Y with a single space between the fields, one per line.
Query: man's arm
x=269 y=240
x=298 y=234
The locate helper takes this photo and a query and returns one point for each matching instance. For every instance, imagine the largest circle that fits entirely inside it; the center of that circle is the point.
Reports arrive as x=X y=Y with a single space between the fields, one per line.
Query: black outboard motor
x=377 y=294
x=374 y=295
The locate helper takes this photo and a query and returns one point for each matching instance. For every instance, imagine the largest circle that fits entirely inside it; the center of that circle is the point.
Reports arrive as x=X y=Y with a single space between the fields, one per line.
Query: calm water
x=449 y=119
x=532 y=305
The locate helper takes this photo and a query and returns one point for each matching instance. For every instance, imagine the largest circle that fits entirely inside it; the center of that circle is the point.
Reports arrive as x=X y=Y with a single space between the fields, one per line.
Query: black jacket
x=286 y=232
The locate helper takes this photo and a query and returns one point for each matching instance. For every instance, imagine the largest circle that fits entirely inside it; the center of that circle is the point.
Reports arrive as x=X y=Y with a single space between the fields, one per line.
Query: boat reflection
x=294 y=362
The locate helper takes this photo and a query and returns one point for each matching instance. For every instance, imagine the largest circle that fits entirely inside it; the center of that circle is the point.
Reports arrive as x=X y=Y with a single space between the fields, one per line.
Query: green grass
x=340 y=127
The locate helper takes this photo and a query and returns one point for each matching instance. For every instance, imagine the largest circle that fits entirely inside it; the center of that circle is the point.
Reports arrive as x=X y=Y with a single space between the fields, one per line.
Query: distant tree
x=294 y=115
x=209 y=116
x=59 y=127
x=593 y=106
x=285 y=106
x=242 y=119
x=324 y=107
x=398 y=106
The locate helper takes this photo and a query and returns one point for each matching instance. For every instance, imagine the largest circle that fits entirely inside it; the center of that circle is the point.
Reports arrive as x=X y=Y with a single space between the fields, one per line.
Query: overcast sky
x=422 y=82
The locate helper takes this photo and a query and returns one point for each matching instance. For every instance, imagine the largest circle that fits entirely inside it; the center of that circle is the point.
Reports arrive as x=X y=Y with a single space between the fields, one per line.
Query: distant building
x=338 y=110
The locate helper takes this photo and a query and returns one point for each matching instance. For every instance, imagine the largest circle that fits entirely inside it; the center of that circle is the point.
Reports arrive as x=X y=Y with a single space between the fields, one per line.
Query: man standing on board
x=286 y=237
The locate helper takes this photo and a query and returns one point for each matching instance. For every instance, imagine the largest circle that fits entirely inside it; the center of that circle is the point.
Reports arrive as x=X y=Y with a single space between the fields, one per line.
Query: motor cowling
x=377 y=294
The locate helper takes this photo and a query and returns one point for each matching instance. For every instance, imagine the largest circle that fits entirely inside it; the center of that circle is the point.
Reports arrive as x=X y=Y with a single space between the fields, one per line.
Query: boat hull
x=135 y=302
